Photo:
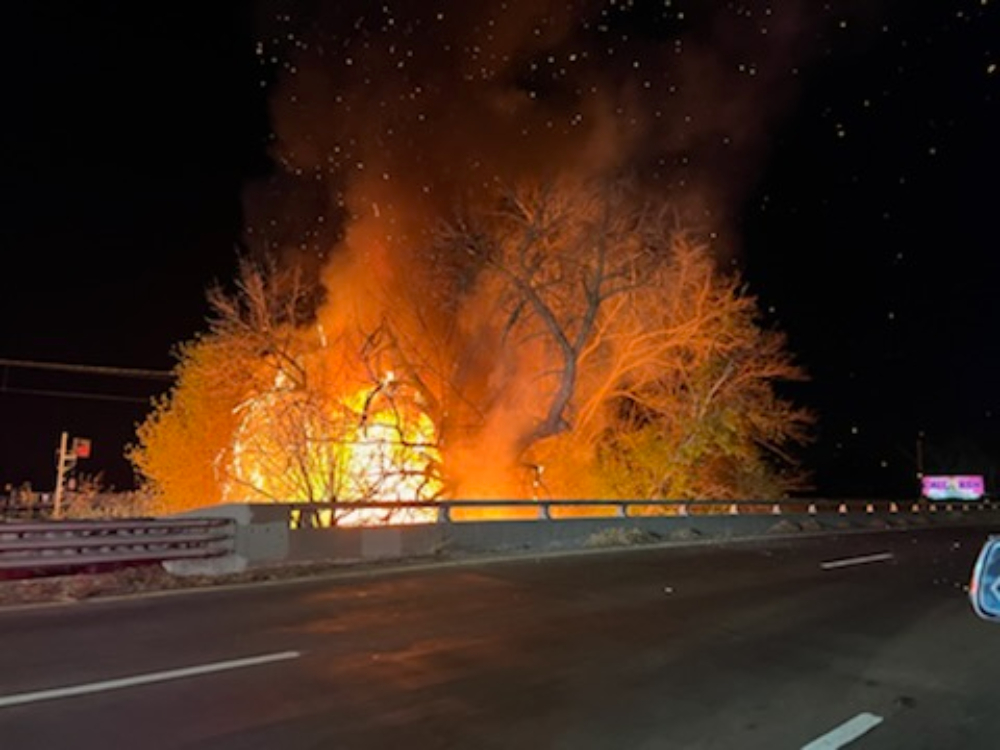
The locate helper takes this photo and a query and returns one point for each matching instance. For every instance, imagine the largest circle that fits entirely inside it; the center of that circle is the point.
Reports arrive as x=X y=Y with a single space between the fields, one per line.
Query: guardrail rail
x=545 y=509
x=65 y=546
x=71 y=545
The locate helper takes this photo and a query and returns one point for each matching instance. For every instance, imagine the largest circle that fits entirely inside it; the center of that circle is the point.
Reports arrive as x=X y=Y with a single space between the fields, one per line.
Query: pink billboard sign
x=963 y=487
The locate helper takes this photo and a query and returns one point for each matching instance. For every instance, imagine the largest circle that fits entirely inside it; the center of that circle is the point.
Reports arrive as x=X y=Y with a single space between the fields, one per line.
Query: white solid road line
x=845 y=733
x=829 y=565
x=143 y=679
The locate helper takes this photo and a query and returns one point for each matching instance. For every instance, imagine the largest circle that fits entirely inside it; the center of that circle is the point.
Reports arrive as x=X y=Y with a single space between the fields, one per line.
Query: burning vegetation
x=449 y=292
x=581 y=346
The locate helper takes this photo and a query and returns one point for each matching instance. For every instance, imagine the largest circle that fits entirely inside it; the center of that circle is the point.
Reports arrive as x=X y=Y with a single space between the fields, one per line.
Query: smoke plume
x=388 y=117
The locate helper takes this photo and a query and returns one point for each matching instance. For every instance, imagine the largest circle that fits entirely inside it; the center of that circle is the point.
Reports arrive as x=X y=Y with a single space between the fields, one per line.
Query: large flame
x=375 y=444
x=391 y=455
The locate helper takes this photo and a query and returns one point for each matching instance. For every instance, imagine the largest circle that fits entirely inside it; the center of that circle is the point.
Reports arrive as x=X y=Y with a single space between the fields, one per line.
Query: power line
x=119 y=372
x=74 y=394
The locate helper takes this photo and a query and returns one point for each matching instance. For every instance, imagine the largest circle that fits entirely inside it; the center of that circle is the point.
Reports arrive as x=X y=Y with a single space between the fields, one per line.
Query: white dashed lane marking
x=72 y=691
x=846 y=733
x=848 y=561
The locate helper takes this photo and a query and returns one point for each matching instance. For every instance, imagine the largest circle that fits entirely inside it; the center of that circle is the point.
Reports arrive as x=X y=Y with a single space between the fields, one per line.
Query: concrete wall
x=264 y=538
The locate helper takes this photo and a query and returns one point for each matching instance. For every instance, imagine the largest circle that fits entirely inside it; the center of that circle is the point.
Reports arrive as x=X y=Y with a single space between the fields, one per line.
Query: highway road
x=866 y=639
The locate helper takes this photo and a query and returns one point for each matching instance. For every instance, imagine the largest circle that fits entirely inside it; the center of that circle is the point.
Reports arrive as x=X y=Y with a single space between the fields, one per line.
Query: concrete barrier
x=264 y=536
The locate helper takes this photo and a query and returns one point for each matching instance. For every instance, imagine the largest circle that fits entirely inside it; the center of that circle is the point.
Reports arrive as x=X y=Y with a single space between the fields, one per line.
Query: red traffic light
x=81 y=447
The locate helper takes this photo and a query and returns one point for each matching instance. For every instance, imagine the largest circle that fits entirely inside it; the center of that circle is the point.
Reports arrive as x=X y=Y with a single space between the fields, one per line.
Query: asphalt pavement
x=860 y=639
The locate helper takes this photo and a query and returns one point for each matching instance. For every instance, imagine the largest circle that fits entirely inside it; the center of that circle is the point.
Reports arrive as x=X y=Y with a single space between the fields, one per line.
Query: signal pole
x=67 y=461
x=62 y=466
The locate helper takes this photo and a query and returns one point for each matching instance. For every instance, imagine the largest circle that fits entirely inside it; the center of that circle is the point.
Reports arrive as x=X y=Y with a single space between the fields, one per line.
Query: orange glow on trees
x=569 y=342
x=260 y=414
x=635 y=368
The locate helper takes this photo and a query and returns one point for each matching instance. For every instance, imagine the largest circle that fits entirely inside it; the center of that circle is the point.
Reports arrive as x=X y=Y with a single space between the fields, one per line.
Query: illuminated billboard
x=964 y=487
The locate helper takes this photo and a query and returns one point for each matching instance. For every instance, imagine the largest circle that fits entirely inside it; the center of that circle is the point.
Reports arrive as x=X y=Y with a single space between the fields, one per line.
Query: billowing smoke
x=387 y=115
x=390 y=116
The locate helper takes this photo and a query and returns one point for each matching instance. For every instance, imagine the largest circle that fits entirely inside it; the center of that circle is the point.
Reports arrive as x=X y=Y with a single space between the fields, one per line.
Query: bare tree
x=284 y=412
x=685 y=401
x=611 y=325
x=579 y=339
x=554 y=258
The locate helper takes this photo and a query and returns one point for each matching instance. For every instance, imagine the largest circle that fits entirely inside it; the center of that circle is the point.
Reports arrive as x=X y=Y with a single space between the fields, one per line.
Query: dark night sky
x=865 y=221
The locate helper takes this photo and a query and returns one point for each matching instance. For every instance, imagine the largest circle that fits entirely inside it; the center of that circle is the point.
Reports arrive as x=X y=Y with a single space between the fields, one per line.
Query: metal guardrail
x=556 y=509
x=72 y=545
x=45 y=547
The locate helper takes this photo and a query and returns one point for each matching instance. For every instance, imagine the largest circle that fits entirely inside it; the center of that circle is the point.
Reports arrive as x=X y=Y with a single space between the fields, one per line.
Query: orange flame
x=390 y=456
x=374 y=445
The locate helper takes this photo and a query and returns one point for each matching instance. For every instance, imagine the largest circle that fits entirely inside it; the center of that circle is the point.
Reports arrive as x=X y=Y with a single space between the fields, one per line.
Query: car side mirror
x=984 y=591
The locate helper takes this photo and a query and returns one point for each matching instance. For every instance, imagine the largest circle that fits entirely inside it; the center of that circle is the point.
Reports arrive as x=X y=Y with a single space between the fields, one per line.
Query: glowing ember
x=375 y=445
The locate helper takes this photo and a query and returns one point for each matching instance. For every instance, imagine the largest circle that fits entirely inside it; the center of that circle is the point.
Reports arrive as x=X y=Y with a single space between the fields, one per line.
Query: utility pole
x=920 y=462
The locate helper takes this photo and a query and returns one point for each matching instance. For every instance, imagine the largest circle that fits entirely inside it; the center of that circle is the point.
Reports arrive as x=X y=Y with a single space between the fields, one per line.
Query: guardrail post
x=444 y=513
x=544 y=512
x=842 y=510
x=682 y=510
x=776 y=510
x=933 y=508
x=812 y=509
x=734 y=509
x=948 y=507
x=870 y=508
x=621 y=511
x=893 y=508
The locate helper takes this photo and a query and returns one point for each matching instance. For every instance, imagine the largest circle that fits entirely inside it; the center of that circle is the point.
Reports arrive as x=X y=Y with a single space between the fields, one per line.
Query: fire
x=376 y=444
x=390 y=456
